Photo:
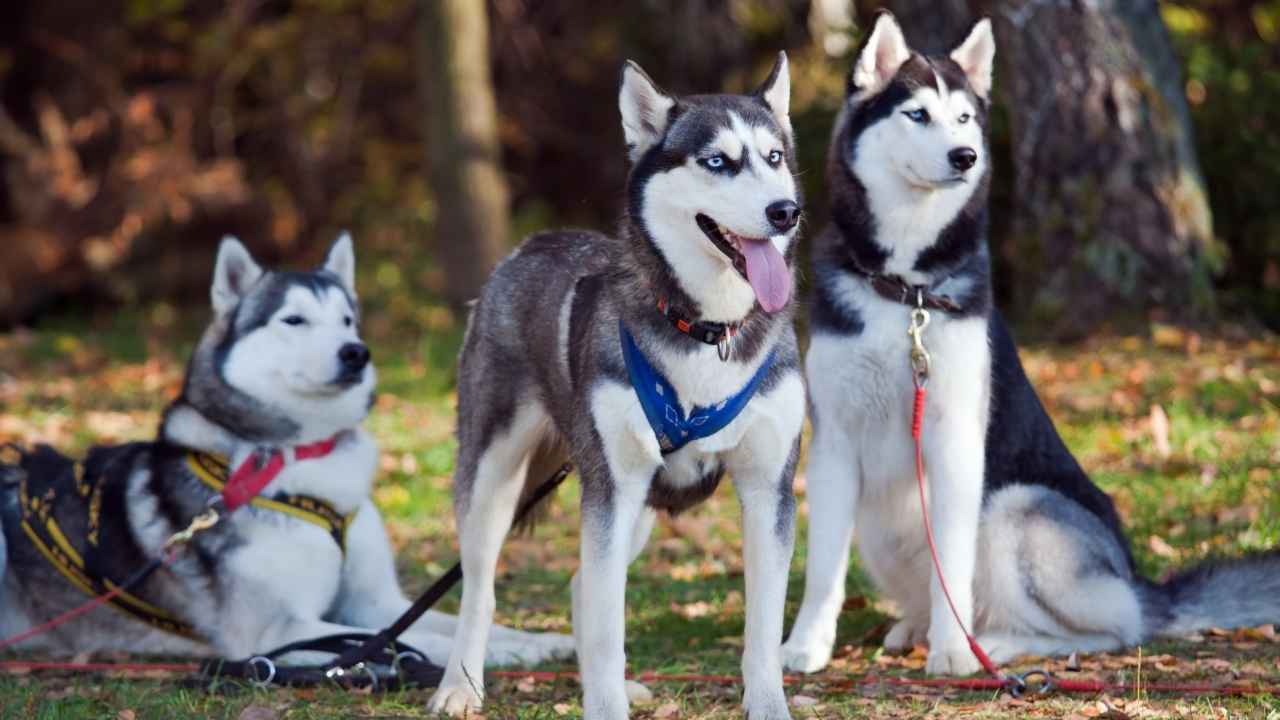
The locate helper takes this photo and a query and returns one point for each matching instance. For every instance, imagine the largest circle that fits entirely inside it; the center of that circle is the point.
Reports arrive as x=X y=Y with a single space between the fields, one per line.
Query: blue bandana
x=662 y=407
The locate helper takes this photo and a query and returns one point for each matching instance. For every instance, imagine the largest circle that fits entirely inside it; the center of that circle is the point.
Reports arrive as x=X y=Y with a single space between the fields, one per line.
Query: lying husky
x=281 y=366
x=1032 y=550
x=655 y=362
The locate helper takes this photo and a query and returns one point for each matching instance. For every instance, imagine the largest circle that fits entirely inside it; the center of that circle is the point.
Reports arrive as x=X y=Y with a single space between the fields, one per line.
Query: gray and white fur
x=542 y=379
x=1031 y=549
x=281 y=365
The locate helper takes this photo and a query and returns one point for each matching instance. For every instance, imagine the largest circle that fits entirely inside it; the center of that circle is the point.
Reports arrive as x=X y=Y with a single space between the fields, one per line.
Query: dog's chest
x=700 y=380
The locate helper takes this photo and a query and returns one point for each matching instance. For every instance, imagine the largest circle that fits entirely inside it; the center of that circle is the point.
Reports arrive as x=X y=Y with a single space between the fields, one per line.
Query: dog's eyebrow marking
x=730 y=143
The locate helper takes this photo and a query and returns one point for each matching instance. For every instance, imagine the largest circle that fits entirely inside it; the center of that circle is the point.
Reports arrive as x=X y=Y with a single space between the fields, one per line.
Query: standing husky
x=1032 y=550
x=281 y=367
x=615 y=353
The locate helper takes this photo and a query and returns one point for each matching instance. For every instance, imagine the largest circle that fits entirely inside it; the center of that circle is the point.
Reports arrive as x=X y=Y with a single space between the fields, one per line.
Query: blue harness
x=662 y=407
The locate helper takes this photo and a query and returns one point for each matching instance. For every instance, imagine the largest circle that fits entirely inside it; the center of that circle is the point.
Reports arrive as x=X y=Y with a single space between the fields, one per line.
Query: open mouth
x=755 y=259
x=725 y=241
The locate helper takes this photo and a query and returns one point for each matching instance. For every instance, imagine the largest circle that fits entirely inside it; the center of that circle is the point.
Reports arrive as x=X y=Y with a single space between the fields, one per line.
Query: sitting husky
x=1032 y=551
x=280 y=367
x=655 y=362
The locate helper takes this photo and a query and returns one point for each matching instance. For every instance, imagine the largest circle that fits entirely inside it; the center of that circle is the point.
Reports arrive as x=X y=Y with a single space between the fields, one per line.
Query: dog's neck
x=642 y=277
x=953 y=260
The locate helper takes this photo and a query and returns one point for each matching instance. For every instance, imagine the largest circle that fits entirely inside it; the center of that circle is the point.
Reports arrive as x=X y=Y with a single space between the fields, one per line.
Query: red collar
x=257 y=472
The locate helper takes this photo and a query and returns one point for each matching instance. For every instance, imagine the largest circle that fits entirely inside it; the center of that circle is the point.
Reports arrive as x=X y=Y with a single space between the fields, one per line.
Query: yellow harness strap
x=213 y=472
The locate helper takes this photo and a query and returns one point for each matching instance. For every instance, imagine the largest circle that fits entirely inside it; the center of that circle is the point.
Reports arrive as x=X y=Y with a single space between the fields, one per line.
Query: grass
x=1180 y=429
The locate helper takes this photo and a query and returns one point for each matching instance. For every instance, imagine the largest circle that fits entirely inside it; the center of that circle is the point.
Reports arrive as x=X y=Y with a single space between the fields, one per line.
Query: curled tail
x=1243 y=592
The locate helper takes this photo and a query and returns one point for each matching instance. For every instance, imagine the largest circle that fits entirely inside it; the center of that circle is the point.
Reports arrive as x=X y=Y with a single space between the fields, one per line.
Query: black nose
x=783 y=214
x=962 y=158
x=354 y=356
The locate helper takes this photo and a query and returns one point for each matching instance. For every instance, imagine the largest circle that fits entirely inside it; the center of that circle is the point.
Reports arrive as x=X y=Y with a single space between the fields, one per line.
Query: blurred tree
x=1110 y=216
x=462 y=132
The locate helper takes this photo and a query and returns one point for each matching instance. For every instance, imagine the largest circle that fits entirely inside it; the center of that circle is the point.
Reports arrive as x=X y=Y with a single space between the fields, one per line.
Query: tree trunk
x=1110 y=217
x=462 y=139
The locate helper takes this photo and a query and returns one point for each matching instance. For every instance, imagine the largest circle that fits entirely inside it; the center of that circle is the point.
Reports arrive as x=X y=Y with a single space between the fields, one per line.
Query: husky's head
x=282 y=360
x=912 y=135
x=711 y=192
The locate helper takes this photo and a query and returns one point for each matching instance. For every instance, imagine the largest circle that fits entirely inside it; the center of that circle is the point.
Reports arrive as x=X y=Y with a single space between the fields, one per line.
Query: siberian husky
x=281 y=366
x=622 y=355
x=1032 y=550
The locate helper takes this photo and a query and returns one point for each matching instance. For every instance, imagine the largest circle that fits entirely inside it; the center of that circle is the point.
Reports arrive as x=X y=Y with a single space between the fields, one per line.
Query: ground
x=1180 y=428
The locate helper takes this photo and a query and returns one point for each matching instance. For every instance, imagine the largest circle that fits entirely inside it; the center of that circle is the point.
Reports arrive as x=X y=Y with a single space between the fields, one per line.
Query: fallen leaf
x=527 y=685
x=258 y=712
x=1160 y=547
x=1160 y=431
x=562 y=708
x=638 y=694
x=666 y=710
x=126 y=714
x=802 y=701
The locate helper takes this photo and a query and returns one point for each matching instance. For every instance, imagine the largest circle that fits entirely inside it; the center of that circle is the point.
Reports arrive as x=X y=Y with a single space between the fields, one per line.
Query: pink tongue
x=767 y=272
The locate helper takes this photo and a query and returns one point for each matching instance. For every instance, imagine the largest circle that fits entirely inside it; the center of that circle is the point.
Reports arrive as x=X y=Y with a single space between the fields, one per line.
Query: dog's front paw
x=530 y=651
x=805 y=655
x=903 y=636
x=557 y=646
x=951 y=659
x=767 y=706
x=455 y=700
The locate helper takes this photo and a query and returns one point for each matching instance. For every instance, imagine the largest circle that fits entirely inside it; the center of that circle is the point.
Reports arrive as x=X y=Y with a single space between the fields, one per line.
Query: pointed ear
x=776 y=91
x=233 y=274
x=644 y=110
x=883 y=53
x=976 y=55
x=341 y=261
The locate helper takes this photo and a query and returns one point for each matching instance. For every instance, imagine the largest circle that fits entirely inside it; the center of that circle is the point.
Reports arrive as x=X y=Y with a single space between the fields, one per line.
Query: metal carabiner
x=1018 y=686
x=262 y=683
x=199 y=523
x=919 y=353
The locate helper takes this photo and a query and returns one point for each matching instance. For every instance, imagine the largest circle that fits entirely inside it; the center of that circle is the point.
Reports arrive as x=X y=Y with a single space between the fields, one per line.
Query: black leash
x=359 y=655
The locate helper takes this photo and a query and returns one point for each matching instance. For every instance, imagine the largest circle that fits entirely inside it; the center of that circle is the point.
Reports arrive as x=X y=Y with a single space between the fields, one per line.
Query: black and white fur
x=542 y=379
x=281 y=365
x=1032 y=550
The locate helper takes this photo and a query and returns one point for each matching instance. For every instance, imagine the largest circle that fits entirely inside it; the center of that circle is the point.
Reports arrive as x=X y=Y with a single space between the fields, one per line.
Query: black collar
x=711 y=333
x=895 y=289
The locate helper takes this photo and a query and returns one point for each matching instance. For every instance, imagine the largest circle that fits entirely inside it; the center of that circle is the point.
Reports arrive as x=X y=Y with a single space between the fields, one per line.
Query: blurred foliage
x=1231 y=51
x=134 y=133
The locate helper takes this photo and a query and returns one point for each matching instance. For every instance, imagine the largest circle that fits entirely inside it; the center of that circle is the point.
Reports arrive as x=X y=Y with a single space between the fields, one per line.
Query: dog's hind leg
x=1053 y=579
x=487 y=489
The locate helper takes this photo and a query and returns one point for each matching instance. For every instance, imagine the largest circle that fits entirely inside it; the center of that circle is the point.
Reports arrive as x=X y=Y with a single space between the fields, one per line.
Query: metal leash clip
x=1019 y=685
x=919 y=355
x=261 y=682
x=199 y=523
x=724 y=348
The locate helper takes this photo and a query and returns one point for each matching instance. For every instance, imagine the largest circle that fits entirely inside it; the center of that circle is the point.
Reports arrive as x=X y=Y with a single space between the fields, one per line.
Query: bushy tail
x=1244 y=592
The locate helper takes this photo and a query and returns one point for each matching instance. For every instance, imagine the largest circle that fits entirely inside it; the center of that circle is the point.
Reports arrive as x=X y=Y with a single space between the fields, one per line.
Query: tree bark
x=463 y=152
x=1110 y=214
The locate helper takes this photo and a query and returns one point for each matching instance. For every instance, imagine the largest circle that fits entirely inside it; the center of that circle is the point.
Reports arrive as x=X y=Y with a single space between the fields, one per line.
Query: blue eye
x=715 y=162
x=964 y=118
x=918 y=116
x=775 y=157
x=295 y=320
